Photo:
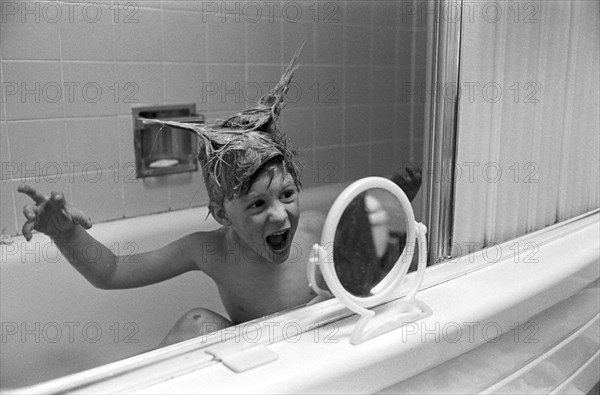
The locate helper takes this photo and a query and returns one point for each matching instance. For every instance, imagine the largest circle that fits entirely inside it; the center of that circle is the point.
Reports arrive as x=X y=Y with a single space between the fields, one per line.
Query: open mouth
x=278 y=240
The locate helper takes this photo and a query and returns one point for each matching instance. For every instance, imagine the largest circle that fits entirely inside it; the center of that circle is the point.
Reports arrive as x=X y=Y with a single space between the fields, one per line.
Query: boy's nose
x=277 y=213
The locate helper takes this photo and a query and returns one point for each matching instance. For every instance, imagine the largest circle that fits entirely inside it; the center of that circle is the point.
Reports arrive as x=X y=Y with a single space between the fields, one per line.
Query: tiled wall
x=71 y=72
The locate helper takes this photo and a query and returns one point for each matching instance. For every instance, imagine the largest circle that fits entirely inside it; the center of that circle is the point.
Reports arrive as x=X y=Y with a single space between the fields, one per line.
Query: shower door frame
x=441 y=126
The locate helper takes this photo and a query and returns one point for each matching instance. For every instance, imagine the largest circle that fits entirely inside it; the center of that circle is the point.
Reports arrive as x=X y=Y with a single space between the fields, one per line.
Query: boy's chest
x=250 y=293
x=250 y=290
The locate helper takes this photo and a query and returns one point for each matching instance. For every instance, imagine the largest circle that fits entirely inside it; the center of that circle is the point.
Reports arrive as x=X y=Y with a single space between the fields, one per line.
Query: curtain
x=527 y=153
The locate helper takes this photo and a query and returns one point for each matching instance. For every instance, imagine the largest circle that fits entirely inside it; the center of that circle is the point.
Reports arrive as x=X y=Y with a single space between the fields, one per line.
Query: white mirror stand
x=394 y=314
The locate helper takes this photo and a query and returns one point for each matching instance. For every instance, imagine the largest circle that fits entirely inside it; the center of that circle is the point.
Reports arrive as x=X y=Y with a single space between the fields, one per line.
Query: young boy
x=252 y=178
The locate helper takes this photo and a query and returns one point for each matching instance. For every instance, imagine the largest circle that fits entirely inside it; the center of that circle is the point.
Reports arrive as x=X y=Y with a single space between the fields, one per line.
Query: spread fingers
x=80 y=218
x=27 y=229
x=58 y=198
x=37 y=197
x=29 y=211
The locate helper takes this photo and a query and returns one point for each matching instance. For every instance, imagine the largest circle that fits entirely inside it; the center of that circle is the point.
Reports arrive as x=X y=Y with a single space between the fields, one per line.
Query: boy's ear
x=219 y=214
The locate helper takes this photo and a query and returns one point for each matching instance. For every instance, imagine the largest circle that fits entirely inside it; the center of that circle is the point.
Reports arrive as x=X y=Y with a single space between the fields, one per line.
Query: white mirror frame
x=404 y=311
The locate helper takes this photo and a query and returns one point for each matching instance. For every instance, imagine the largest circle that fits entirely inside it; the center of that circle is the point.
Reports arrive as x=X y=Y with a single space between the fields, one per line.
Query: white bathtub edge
x=310 y=366
x=476 y=296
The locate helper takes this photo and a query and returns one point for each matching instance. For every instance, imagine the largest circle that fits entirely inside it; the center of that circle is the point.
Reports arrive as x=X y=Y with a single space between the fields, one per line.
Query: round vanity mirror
x=369 y=240
x=367 y=245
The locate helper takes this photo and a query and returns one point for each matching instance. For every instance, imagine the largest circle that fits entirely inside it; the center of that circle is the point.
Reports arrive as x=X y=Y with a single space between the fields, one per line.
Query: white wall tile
x=87 y=35
x=357 y=124
x=356 y=163
x=38 y=149
x=29 y=30
x=298 y=126
x=265 y=41
x=97 y=192
x=358 y=12
x=139 y=83
x=358 y=45
x=184 y=37
x=140 y=38
x=7 y=169
x=328 y=166
x=8 y=221
x=186 y=83
x=328 y=50
x=170 y=52
x=95 y=90
x=384 y=50
x=226 y=39
x=384 y=13
x=227 y=83
x=328 y=126
x=293 y=35
x=383 y=124
x=329 y=88
x=357 y=86
x=33 y=90
x=91 y=142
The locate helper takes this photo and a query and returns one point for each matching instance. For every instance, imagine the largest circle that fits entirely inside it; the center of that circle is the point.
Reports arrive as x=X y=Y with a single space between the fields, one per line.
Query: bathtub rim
x=322 y=313
x=545 y=292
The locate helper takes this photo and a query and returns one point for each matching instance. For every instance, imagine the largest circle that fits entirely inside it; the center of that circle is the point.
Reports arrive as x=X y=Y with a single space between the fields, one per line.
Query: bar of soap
x=163 y=163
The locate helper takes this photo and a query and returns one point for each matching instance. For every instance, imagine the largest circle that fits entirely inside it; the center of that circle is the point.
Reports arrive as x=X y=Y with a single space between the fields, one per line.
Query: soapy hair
x=232 y=150
x=229 y=165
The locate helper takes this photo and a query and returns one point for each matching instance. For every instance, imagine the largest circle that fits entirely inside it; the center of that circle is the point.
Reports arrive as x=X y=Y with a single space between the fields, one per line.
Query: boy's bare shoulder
x=312 y=220
x=205 y=248
x=212 y=235
x=311 y=224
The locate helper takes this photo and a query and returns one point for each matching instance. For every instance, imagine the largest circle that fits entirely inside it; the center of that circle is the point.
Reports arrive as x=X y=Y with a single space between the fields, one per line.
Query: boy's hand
x=50 y=215
x=409 y=180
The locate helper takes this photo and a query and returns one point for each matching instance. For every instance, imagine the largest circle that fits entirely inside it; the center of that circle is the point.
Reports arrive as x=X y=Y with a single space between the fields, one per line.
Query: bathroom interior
x=498 y=108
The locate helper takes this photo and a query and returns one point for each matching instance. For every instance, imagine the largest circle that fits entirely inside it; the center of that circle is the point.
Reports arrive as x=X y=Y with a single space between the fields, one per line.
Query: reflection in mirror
x=369 y=240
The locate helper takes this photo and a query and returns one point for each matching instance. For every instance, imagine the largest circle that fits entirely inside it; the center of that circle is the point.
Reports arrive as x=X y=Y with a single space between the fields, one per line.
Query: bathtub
x=60 y=334
x=55 y=323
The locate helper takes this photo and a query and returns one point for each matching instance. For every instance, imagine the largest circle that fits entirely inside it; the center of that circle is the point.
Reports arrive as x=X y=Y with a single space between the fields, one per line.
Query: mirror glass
x=369 y=240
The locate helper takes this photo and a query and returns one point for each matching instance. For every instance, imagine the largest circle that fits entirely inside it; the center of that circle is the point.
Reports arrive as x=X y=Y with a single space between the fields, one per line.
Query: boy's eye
x=257 y=204
x=288 y=195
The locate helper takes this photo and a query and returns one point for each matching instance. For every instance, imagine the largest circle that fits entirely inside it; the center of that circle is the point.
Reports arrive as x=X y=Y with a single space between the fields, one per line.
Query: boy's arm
x=98 y=264
x=409 y=180
x=105 y=270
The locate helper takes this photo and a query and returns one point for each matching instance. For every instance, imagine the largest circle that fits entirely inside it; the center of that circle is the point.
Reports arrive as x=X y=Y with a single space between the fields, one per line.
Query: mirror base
x=387 y=317
x=399 y=312
x=379 y=313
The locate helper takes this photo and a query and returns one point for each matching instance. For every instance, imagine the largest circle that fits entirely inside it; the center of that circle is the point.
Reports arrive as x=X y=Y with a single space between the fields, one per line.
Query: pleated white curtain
x=528 y=118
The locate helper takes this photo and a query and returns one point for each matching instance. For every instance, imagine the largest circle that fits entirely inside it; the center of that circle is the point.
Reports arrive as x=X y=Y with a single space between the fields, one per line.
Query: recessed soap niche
x=159 y=149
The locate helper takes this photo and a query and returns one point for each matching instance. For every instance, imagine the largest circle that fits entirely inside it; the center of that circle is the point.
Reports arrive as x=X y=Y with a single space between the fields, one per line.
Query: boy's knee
x=205 y=319
x=194 y=323
x=198 y=314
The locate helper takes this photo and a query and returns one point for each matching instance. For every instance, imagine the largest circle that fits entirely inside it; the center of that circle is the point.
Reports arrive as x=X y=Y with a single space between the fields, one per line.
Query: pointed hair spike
x=276 y=95
x=231 y=150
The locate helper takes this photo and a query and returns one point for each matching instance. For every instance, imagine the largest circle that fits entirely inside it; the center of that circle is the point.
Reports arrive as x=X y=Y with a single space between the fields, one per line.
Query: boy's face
x=265 y=219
